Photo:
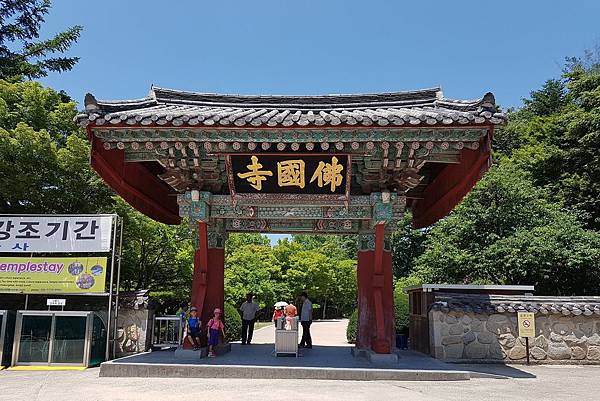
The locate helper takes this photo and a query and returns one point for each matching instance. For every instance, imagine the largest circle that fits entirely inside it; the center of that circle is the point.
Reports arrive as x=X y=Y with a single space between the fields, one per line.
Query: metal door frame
x=53 y=315
x=4 y=314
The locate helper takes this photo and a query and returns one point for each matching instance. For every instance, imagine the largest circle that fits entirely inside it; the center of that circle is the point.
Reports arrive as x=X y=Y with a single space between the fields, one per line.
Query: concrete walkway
x=323 y=332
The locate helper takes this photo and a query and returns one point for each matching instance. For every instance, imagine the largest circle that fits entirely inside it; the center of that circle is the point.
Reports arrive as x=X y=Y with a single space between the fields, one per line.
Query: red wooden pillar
x=208 y=280
x=375 y=297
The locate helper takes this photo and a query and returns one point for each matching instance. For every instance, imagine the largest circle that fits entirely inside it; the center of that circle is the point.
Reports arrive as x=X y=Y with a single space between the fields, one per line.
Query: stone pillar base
x=373 y=357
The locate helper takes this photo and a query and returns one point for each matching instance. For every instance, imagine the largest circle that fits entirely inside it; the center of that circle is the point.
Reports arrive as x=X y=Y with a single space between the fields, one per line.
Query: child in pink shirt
x=215 y=327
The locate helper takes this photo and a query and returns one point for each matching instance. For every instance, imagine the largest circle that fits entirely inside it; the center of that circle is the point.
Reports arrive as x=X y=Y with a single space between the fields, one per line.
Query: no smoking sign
x=526 y=323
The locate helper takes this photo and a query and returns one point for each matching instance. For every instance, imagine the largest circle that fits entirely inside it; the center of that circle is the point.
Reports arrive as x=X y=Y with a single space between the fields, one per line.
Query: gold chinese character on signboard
x=328 y=174
x=290 y=173
x=255 y=176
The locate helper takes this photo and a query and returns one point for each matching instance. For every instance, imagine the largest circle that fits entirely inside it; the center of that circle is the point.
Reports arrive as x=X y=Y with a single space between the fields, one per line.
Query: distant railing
x=167 y=331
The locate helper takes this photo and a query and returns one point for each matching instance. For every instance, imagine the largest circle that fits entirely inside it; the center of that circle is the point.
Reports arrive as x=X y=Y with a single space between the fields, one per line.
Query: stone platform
x=257 y=361
x=331 y=358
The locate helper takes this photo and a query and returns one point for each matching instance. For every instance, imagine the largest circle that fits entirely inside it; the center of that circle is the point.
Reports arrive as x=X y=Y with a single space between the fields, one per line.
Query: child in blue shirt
x=194 y=325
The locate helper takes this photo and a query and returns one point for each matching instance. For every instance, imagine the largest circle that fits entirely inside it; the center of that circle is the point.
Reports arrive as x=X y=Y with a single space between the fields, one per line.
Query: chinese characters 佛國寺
x=291 y=173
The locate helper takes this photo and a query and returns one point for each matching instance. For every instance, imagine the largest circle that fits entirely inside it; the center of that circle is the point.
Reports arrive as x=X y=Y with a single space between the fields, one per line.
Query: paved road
x=562 y=383
x=538 y=383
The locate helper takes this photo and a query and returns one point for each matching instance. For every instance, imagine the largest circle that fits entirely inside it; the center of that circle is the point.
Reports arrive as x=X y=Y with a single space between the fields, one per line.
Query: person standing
x=249 y=309
x=306 y=321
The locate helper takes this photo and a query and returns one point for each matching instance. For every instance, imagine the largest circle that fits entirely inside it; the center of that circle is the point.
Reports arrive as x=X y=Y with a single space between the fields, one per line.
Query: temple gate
x=335 y=164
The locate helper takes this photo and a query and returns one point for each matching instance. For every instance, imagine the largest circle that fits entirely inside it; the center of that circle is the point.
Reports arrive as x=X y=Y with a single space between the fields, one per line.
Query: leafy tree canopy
x=556 y=137
x=22 y=53
x=507 y=231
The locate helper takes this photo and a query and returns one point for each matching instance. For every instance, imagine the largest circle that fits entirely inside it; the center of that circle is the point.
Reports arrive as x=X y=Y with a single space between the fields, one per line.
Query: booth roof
x=482 y=303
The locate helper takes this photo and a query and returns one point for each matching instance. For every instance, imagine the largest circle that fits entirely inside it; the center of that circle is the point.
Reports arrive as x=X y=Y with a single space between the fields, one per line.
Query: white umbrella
x=281 y=304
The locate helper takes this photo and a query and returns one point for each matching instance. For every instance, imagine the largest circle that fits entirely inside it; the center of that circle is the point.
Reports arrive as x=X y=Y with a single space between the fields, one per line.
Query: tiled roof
x=479 y=303
x=170 y=107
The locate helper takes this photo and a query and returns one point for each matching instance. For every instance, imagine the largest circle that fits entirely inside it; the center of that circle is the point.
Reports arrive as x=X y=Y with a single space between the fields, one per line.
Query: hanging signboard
x=52 y=275
x=47 y=233
x=322 y=174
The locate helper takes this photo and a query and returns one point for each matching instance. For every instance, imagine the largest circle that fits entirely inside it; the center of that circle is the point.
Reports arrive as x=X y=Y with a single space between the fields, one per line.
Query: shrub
x=233 y=322
x=401 y=311
x=352 y=327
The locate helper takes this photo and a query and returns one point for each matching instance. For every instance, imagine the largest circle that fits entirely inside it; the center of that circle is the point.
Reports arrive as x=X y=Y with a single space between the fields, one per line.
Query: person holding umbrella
x=278 y=313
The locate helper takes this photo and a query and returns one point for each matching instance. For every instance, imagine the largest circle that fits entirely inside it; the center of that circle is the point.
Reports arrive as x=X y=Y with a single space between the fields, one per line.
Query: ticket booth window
x=59 y=338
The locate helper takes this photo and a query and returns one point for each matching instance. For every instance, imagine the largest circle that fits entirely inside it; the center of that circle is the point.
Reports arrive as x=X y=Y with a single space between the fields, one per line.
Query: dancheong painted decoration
x=343 y=164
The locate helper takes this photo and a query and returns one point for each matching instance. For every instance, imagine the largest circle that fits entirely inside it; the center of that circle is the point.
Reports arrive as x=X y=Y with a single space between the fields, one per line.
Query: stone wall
x=133 y=331
x=459 y=336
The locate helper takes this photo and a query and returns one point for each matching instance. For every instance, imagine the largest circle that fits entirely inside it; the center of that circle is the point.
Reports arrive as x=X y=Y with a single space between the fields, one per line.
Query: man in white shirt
x=305 y=321
x=249 y=309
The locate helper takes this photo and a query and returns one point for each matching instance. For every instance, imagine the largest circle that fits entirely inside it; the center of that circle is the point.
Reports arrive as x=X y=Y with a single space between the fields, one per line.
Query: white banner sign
x=47 y=233
x=56 y=302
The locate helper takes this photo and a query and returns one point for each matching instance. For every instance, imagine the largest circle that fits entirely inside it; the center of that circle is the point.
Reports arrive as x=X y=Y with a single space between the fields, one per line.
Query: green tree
x=406 y=245
x=155 y=255
x=44 y=157
x=556 y=137
x=253 y=268
x=237 y=241
x=22 y=54
x=507 y=231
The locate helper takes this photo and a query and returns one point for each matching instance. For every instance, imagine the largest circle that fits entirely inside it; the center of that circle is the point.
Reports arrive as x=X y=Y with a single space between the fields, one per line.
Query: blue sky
x=318 y=47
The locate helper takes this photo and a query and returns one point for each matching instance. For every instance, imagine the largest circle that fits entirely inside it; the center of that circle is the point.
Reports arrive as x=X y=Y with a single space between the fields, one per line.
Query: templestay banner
x=52 y=275
x=55 y=233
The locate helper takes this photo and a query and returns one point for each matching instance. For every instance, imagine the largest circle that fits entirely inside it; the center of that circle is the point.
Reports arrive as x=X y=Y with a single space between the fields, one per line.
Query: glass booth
x=7 y=331
x=65 y=338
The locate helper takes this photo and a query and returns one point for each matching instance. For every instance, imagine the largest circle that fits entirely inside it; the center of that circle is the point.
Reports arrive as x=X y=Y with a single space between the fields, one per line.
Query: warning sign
x=526 y=322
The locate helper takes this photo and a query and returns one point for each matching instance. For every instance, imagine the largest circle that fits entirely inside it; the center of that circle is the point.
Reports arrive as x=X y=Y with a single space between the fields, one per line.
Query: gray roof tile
x=173 y=107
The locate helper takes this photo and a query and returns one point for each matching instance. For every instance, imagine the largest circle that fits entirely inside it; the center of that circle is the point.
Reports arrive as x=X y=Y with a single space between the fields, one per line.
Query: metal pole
x=120 y=221
x=26 y=301
x=527 y=348
x=110 y=291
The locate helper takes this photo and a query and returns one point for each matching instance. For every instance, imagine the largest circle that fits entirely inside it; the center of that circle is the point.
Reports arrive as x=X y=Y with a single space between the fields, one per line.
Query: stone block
x=593 y=353
x=497 y=324
x=495 y=351
x=541 y=342
x=466 y=319
x=594 y=339
x=441 y=317
x=558 y=351
x=444 y=330
x=561 y=328
x=452 y=340
x=586 y=327
x=469 y=337
x=475 y=350
x=517 y=352
x=538 y=353
x=573 y=340
x=476 y=325
x=190 y=354
x=556 y=338
x=507 y=340
x=451 y=319
x=578 y=352
x=455 y=329
x=454 y=351
x=485 y=337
